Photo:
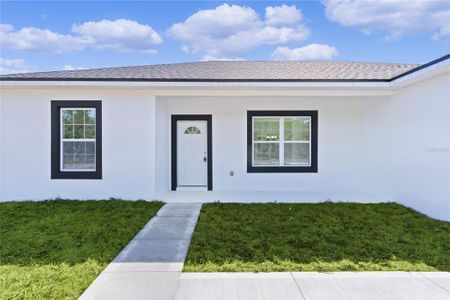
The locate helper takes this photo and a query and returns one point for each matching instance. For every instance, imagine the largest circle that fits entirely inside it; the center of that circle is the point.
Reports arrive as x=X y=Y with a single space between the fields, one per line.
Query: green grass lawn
x=55 y=249
x=317 y=237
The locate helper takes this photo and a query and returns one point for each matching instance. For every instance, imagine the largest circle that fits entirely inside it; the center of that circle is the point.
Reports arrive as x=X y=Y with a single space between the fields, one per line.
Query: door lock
x=204 y=159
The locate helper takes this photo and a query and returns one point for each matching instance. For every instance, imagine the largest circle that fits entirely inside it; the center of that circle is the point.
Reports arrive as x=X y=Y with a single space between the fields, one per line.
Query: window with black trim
x=76 y=140
x=281 y=141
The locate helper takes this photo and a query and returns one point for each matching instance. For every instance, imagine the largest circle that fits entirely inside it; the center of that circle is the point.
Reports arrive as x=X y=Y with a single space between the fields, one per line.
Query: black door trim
x=174 y=120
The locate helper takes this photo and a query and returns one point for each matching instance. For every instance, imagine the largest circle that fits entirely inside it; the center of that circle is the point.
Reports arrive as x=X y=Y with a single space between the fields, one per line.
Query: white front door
x=192 y=147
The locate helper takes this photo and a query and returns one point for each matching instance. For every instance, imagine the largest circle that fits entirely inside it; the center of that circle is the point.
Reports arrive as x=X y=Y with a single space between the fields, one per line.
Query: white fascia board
x=270 y=92
x=217 y=88
x=181 y=84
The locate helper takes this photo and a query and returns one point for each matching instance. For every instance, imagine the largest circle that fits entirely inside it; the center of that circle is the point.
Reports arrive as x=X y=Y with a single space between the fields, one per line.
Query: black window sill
x=76 y=175
x=251 y=169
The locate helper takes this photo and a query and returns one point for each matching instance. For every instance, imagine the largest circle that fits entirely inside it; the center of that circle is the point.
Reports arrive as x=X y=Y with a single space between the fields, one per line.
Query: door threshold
x=192 y=188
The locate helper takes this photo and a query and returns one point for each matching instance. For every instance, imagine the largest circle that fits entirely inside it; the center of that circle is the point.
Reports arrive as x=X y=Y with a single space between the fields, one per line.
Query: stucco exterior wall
x=405 y=141
x=162 y=174
x=128 y=146
x=338 y=144
x=370 y=148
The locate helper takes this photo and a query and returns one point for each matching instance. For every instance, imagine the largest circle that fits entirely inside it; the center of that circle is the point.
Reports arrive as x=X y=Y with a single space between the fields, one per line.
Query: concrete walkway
x=315 y=286
x=149 y=266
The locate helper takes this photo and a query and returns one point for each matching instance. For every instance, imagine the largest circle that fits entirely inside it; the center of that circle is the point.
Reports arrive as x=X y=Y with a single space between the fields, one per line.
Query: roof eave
x=435 y=68
x=196 y=83
x=439 y=65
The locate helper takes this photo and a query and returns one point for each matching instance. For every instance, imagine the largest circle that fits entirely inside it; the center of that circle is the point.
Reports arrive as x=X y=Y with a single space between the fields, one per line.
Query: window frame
x=312 y=168
x=56 y=138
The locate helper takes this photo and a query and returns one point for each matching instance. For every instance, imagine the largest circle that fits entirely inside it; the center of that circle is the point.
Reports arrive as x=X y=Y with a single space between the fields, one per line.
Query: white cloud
x=231 y=30
x=40 y=40
x=68 y=67
x=118 y=35
x=211 y=57
x=149 y=51
x=442 y=33
x=10 y=66
x=283 y=15
x=121 y=34
x=220 y=22
x=397 y=18
x=309 y=52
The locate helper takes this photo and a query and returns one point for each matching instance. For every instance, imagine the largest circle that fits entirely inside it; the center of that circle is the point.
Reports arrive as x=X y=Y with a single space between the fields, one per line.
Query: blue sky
x=39 y=36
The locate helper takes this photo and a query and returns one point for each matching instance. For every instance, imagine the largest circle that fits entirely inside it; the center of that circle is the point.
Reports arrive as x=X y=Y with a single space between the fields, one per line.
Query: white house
x=231 y=131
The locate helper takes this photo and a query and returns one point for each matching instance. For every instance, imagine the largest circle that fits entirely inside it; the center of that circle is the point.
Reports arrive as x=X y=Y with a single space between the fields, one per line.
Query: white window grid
x=62 y=139
x=281 y=142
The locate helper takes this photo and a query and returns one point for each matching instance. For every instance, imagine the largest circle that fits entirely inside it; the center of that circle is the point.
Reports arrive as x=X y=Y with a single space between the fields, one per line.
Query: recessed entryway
x=191 y=152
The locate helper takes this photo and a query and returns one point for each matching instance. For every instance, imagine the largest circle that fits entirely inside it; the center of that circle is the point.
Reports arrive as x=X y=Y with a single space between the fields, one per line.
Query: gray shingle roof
x=232 y=71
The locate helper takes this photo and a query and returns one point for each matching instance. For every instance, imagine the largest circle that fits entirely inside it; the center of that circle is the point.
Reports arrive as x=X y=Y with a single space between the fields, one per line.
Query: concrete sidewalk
x=314 y=286
x=150 y=266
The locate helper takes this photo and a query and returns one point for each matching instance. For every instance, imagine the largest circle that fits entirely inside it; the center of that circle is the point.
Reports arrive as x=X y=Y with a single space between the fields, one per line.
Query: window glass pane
x=67 y=116
x=68 y=148
x=68 y=162
x=68 y=132
x=296 y=128
x=78 y=116
x=306 y=129
x=266 y=154
x=79 y=147
x=266 y=129
x=80 y=162
x=79 y=132
x=89 y=131
x=78 y=124
x=296 y=154
x=89 y=116
x=90 y=162
x=79 y=155
x=90 y=147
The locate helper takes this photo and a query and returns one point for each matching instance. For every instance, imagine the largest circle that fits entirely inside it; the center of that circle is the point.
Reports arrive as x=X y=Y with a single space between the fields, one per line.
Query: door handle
x=204 y=159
